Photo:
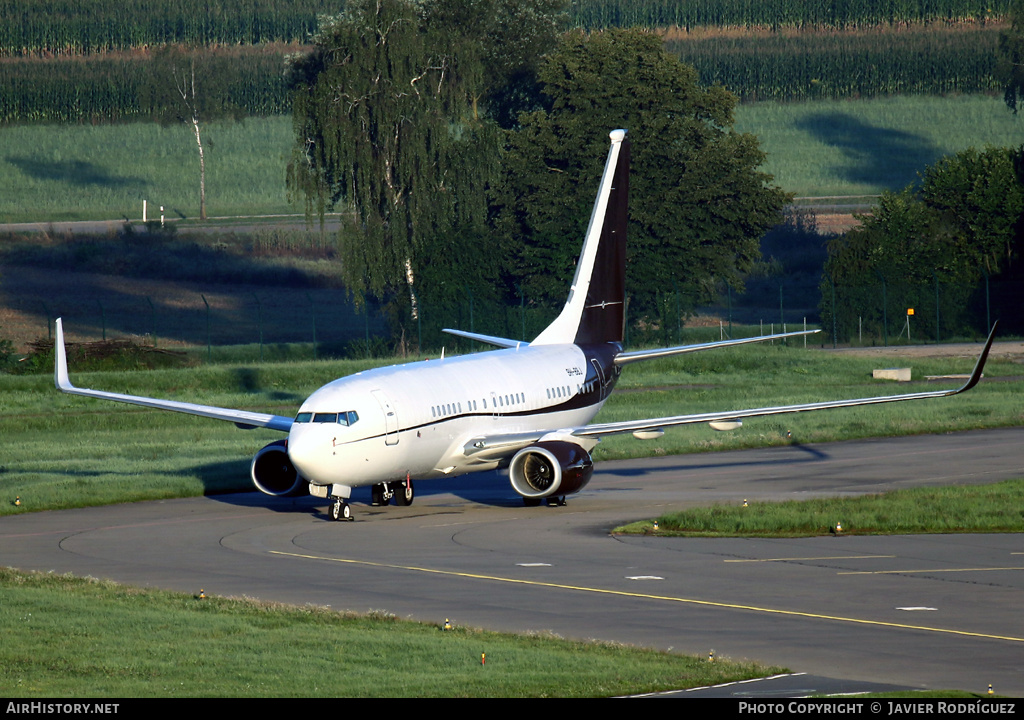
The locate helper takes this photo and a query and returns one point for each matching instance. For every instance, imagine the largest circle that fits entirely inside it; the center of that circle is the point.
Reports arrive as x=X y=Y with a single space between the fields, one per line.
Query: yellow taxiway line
x=647 y=596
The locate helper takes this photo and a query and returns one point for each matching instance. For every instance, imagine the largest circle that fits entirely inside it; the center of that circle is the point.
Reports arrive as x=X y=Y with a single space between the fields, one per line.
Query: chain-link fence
x=333 y=324
x=893 y=312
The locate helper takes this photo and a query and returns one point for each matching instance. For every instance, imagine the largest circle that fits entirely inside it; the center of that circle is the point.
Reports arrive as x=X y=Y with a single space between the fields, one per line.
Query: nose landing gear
x=341 y=510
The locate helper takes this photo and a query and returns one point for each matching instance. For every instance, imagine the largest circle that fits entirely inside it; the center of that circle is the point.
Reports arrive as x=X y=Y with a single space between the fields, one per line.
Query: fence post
x=885 y=311
x=312 y=317
x=152 y=316
x=729 y=288
x=472 y=343
x=49 y=329
x=832 y=282
x=209 y=339
x=259 y=322
x=522 y=311
x=366 y=319
x=782 y=313
x=103 y=319
x=988 y=308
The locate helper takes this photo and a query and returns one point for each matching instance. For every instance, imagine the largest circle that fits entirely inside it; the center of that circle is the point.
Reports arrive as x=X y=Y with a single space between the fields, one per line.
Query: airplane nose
x=303 y=449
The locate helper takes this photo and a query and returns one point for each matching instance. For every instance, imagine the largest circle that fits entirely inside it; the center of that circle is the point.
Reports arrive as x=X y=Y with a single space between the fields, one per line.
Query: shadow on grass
x=74 y=172
x=874 y=155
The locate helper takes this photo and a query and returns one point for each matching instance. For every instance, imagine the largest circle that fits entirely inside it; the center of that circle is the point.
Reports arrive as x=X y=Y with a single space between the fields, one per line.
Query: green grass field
x=861 y=147
x=82 y=172
x=996 y=508
x=855 y=147
x=78 y=638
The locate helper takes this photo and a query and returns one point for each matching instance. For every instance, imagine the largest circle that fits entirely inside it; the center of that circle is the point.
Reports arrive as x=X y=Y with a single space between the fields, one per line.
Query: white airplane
x=525 y=407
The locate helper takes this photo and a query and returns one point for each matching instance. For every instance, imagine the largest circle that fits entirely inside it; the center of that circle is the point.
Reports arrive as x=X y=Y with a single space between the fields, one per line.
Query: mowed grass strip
x=996 y=508
x=72 y=637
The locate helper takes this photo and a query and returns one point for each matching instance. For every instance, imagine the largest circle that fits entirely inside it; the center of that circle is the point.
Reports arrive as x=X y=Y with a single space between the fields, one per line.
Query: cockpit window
x=349 y=417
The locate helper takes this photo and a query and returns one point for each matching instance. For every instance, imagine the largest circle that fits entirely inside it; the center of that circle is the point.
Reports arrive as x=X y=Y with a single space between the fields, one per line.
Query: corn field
x=106 y=87
x=76 y=27
x=75 y=61
x=909 y=60
x=832 y=14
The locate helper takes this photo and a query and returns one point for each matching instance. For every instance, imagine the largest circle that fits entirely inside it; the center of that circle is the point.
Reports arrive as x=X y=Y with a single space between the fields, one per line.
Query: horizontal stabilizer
x=489 y=339
x=638 y=355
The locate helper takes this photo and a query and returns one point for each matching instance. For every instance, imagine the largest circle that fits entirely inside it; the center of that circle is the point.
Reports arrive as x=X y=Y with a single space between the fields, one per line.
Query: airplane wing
x=242 y=418
x=495 y=447
x=600 y=429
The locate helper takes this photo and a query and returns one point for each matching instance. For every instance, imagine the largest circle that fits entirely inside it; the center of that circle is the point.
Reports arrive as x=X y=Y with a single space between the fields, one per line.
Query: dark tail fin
x=595 y=310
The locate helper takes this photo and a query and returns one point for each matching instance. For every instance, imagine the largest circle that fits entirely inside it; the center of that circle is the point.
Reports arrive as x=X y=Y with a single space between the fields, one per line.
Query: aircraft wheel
x=531 y=502
x=556 y=501
x=377 y=495
x=340 y=510
x=404 y=495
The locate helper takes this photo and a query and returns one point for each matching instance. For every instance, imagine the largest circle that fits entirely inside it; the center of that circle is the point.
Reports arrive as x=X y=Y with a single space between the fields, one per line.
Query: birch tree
x=183 y=88
x=385 y=130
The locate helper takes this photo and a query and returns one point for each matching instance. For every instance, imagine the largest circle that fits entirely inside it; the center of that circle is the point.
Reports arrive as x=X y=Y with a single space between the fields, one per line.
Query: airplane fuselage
x=420 y=419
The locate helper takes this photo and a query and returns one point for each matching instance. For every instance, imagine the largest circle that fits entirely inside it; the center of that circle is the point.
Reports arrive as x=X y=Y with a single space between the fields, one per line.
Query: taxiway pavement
x=923 y=611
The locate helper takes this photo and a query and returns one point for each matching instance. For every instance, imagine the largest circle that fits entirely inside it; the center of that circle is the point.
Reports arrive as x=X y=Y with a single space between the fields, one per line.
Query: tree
x=964 y=222
x=384 y=127
x=184 y=86
x=698 y=203
x=979 y=200
x=507 y=38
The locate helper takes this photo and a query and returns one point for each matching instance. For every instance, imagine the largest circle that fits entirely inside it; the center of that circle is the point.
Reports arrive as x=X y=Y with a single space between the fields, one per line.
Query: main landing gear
x=402 y=492
x=380 y=494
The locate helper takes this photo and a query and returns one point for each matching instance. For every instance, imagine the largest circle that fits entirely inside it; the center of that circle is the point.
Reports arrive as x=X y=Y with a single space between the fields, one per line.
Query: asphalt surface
x=926 y=611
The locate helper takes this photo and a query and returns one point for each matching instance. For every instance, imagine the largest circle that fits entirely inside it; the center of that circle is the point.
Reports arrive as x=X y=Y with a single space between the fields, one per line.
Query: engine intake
x=273 y=473
x=550 y=468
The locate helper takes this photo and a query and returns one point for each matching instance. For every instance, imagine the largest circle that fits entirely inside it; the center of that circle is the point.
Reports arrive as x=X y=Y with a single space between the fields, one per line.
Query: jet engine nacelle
x=273 y=473
x=550 y=468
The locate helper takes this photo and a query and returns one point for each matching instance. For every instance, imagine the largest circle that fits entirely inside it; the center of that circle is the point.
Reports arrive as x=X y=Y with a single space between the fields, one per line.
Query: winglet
x=241 y=418
x=60 y=361
x=980 y=365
